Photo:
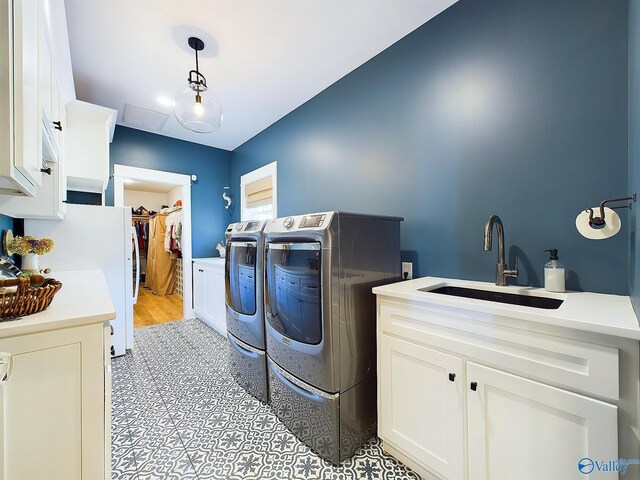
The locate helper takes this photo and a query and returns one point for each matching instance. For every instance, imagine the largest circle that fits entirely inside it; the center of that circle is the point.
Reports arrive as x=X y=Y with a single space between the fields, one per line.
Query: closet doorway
x=161 y=222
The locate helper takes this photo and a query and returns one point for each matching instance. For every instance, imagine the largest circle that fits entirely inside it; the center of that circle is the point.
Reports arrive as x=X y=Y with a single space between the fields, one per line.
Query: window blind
x=259 y=192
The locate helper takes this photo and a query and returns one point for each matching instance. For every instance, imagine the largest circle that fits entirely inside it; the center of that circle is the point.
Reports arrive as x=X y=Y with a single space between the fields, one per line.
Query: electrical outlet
x=407 y=270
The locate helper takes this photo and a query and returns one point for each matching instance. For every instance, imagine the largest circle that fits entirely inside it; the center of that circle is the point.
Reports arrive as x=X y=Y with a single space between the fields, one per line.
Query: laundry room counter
x=214 y=261
x=83 y=299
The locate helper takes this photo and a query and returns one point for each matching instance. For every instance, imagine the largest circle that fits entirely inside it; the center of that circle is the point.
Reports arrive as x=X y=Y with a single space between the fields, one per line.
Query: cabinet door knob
x=113 y=351
x=474 y=386
x=57 y=125
x=452 y=377
x=111 y=330
x=46 y=170
x=6 y=365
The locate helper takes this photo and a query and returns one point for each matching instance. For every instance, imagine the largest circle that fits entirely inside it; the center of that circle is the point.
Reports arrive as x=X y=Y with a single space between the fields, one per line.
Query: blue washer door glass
x=292 y=295
x=241 y=276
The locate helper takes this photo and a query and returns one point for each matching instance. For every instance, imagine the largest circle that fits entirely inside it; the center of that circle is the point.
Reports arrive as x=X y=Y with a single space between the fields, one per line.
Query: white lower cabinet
x=421 y=408
x=523 y=429
x=448 y=417
x=208 y=293
x=54 y=421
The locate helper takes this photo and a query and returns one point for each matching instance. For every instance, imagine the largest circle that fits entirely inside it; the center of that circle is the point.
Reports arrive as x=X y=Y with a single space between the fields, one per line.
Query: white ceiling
x=262 y=59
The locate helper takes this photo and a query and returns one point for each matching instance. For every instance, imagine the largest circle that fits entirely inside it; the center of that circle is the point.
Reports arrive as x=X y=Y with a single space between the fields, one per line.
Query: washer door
x=298 y=335
x=243 y=291
x=292 y=297
x=241 y=275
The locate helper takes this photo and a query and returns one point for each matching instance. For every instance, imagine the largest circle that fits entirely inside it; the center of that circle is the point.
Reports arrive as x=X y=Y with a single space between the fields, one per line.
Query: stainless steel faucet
x=502 y=271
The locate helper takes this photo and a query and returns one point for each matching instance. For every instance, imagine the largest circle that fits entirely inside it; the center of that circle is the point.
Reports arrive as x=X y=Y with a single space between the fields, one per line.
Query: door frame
x=122 y=172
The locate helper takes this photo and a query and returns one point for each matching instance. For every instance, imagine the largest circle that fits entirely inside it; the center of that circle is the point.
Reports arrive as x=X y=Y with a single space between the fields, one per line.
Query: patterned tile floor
x=178 y=414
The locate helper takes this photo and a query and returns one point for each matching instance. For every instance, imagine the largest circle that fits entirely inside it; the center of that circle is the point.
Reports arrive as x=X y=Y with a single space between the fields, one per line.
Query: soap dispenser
x=553 y=273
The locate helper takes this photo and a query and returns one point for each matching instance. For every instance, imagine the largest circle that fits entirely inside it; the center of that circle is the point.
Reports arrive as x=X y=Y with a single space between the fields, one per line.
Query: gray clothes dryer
x=244 y=274
x=320 y=323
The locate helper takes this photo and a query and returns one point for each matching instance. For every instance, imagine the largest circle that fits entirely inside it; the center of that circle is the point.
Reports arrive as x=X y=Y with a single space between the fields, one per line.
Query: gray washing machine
x=244 y=274
x=321 y=323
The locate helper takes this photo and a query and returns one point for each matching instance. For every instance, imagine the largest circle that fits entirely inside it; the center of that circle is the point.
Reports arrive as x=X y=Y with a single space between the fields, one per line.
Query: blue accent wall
x=512 y=108
x=212 y=166
x=634 y=148
x=6 y=223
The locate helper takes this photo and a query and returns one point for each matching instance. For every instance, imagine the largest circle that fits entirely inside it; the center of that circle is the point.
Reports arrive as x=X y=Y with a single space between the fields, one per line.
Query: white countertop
x=591 y=312
x=84 y=298
x=210 y=261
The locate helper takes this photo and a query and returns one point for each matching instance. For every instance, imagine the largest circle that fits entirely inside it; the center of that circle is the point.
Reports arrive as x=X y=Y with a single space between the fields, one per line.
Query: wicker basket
x=26 y=299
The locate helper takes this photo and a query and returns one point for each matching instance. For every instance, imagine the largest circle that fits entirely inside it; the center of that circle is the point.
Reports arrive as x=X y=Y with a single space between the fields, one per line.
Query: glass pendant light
x=195 y=108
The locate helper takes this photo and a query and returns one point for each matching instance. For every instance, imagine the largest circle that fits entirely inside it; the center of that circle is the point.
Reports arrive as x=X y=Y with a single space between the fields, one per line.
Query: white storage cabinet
x=90 y=131
x=208 y=292
x=55 y=403
x=461 y=399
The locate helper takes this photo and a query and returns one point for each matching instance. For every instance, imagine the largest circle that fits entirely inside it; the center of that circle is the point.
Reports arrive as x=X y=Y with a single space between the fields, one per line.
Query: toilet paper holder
x=599 y=222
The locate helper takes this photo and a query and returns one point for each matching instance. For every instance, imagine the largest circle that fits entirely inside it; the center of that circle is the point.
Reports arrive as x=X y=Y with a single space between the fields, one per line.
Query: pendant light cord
x=197 y=67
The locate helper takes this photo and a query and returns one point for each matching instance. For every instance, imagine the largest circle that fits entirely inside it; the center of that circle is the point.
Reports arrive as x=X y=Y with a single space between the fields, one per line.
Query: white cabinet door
x=47 y=205
x=108 y=379
x=45 y=67
x=421 y=409
x=523 y=429
x=219 y=311
x=198 y=288
x=27 y=115
x=52 y=407
x=209 y=295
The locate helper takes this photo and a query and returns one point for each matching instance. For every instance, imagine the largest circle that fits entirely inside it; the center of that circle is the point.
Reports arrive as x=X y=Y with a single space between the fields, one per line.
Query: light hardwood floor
x=153 y=309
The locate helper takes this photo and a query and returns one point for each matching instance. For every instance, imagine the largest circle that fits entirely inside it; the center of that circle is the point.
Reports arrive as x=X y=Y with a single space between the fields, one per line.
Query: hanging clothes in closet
x=141 y=226
x=173 y=234
x=161 y=266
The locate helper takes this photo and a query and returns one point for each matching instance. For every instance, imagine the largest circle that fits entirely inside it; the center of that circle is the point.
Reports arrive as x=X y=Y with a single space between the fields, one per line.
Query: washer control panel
x=294 y=223
x=312 y=221
x=288 y=223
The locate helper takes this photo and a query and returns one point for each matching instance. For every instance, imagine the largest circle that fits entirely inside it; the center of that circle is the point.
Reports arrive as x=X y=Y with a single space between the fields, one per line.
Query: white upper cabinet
x=43 y=134
x=20 y=123
x=90 y=130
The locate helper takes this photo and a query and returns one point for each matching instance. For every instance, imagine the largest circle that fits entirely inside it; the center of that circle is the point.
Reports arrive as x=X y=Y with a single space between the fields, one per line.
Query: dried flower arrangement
x=28 y=244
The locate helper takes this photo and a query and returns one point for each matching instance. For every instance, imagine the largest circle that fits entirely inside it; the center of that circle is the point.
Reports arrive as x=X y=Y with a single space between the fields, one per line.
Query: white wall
x=149 y=200
x=174 y=195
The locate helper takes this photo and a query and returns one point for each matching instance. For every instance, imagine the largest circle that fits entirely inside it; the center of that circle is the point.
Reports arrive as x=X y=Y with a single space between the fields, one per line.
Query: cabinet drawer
x=310 y=287
x=293 y=281
x=559 y=361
